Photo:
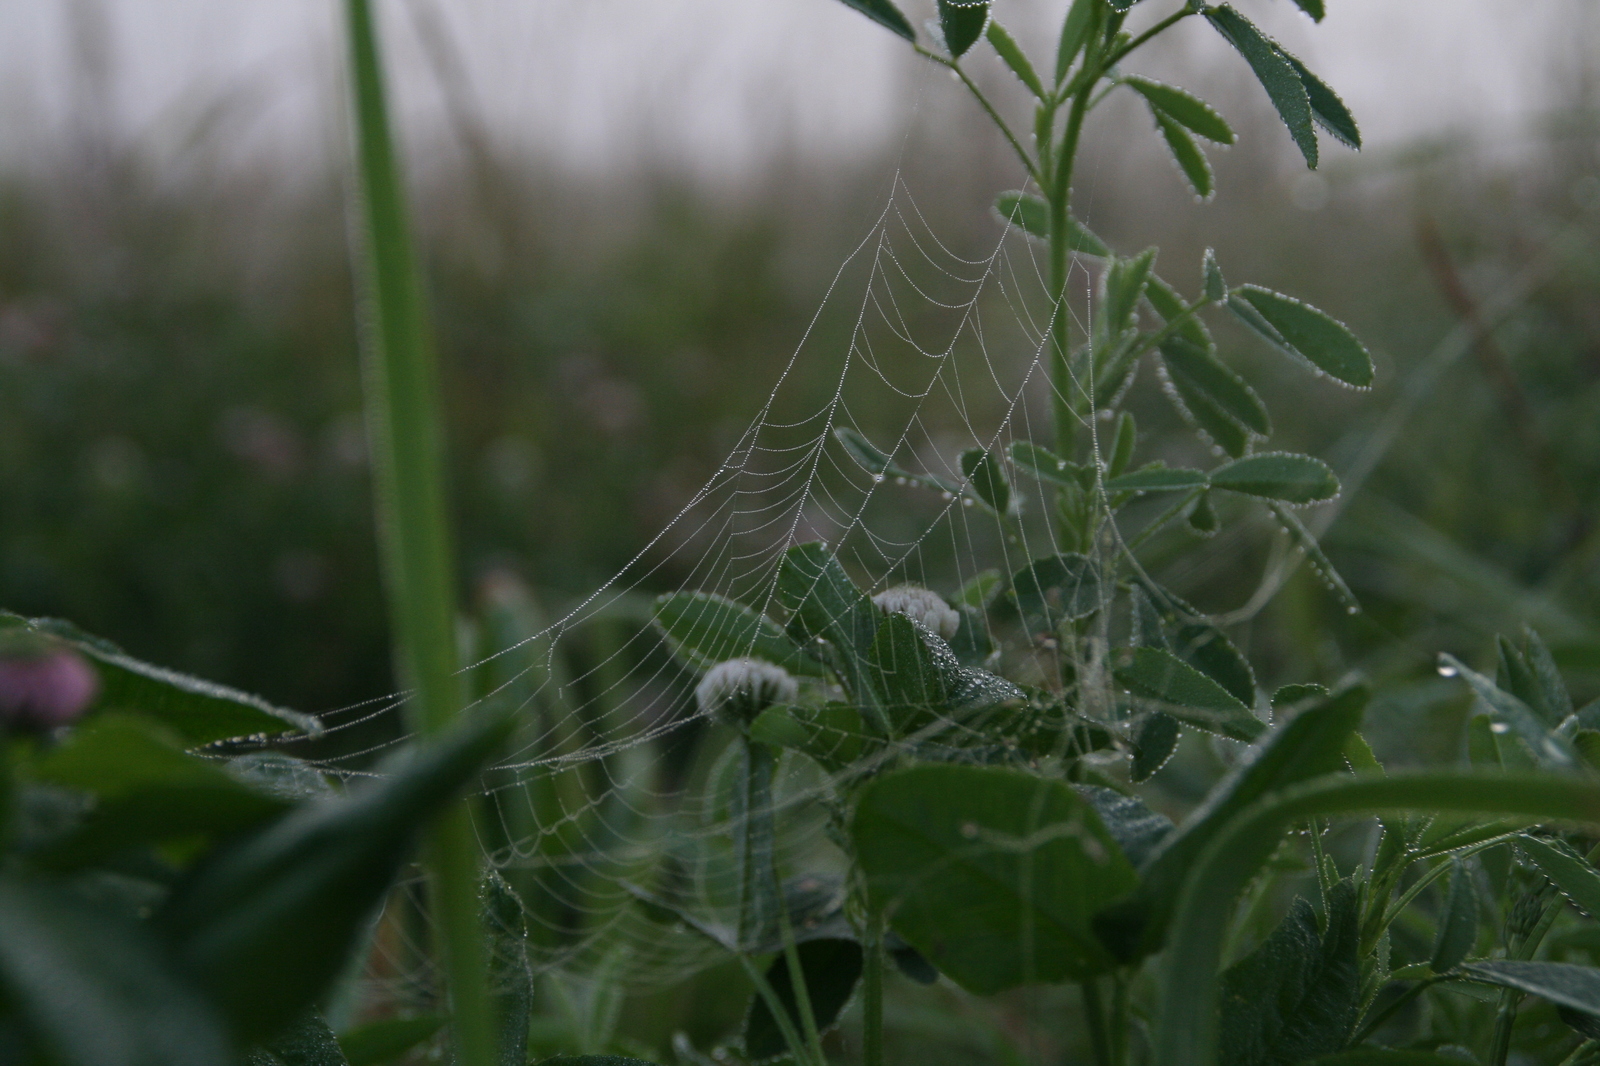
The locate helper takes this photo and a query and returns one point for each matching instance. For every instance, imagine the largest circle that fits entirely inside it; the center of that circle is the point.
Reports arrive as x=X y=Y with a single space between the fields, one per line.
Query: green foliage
x=831 y=968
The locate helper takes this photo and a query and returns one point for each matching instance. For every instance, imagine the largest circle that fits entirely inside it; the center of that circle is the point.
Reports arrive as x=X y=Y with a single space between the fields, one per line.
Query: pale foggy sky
x=711 y=83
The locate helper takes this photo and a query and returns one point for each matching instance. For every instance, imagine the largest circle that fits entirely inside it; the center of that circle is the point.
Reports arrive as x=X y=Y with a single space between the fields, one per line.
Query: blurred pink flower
x=43 y=687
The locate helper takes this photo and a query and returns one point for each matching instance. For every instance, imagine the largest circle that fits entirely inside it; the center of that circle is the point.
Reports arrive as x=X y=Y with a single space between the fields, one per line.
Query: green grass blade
x=400 y=381
x=1186 y=1033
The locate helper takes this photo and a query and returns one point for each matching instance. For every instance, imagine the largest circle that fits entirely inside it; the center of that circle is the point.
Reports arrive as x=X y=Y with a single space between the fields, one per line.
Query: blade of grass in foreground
x=400 y=381
x=1186 y=1032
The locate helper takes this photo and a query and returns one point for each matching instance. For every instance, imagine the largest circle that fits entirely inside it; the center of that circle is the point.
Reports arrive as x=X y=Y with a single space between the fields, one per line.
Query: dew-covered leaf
x=1549 y=749
x=199 y=711
x=1012 y=55
x=1326 y=107
x=870 y=458
x=1278 y=476
x=961 y=22
x=1122 y=444
x=1025 y=211
x=1571 y=872
x=1124 y=285
x=1275 y=73
x=1298 y=994
x=1197 y=370
x=1190 y=159
x=992 y=874
x=1076 y=28
x=1207 y=649
x=1562 y=983
x=706 y=629
x=911 y=688
x=1216 y=289
x=1058 y=588
x=1136 y=828
x=1167 y=303
x=1044 y=464
x=1289 y=695
x=306 y=1042
x=1303 y=539
x=823 y=602
x=598 y=1060
x=381 y=1042
x=830 y=968
x=1157 y=477
x=978 y=591
x=988 y=480
x=1209 y=420
x=1458 y=922
x=1202 y=517
x=1313 y=8
x=1192 y=112
x=884 y=14
x=1184 y=692
x=1153 y=744
x=1302 y=330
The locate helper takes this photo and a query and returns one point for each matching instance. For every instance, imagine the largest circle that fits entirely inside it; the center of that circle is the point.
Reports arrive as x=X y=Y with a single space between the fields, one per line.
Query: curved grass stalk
x=1186 y=1032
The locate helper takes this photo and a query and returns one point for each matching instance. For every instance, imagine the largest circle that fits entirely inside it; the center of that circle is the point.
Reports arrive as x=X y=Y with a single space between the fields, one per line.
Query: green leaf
x=1184 y=692
x=377 y=1043
x=1297 y=749
x=1530 y=674
x=982 y=470
x=1548 y=748
x=1303 y=539
x=1275 y=73
x=1196 y=370
x=1311 y=7
x=1301 y=330
x=872 y=459
x=267 y=922
x=1205 y=414
x=830 y=967
x=1190 y=159
x=1136 y=828
x=1124 y=285
x=991 y=874
x=600 y=1060
x=706 y=629
x=1326 y=107
x=1381 y=1056
x=1006 y=48
x=1571 y=872
x=1562 y=983
x=1278 y=476
x=833 y=735
x=306 y=1042
x=1191 y=112
x=1458 y=923
x=95 y=987
x=148 y=790
x=884 y=14
x=1170 y=306
x=1044 y=464
x=910 y=686
x=961 y=22
x=824 y=602
x=1205 y=647
x=505 y=934
x=1076 y=29
x=1216 y=288
x=1157 y=477
x=1058 y=588
x=1289 y=695
x=1153 y=745
x=1298 y=993
x=1026 y=211
x=978 y=591
x=1122 y=444
x=198 y=711
x=1202 y=517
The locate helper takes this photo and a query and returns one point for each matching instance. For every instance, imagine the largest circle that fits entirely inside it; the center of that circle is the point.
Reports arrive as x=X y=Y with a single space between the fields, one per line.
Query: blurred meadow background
x=631 y=212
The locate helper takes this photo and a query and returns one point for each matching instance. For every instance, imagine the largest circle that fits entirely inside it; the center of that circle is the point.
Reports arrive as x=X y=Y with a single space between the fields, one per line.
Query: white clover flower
x=922 y=606
x=739 y=689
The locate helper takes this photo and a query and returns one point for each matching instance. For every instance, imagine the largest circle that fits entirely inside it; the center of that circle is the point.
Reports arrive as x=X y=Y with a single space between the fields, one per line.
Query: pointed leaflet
x=902 y=670
x=1296 y=995
x=1458 y=922
x=1184 y=692
x=1313 y=8
x=1571 y=872
x=884 y=14
x=1124 y=285
x=1549 y=749
x=1302 y=330
x=1058 y=588
x=1275 y=73
x=199 y=711
x=1547 y=679
x=823 y=602
x=830 y=968
x=1201 y=371
x=1190 y=111
x=1122 y=444
x=1076 y=29
x=982 y=470
x=992 y=874
x=1205 y=647
x=1170 y=306
x=1153 y=745
x=1381 y=1056
x=1278 y=476
x=961 y=22
x=1216 y=288
x=1205 y=414
x=1044 y=464
x=1006 y=48
x=1190 y=159
x=706 y=629
x=870 y=458
x=1307 y=543
x=1157 y=477
x=1564 y=984
x=1298 y=748
x=95 y=987
x=1326 y=107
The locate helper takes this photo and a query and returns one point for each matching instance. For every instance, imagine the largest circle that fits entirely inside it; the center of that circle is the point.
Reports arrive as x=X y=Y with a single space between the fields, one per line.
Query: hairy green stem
x=1059 y=197
x=400 y=382
x=791 y=1038
x=1094 y=1014
x=1160 y=27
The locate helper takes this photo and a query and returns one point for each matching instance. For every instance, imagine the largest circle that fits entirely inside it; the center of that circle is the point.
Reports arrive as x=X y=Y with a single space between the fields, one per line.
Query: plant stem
x=1060 y=196
x=1094 y=1014
x=1160 y=27
x=400 y=382
x=872 y=991
x=780 y=1017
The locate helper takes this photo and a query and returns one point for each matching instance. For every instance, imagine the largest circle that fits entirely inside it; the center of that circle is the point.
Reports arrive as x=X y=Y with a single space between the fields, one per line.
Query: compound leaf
x=1006 y=48
x=706 y=629
x=1193 y=113
x=1302 y=330
x=1185 y=692
x=1200 y=371
x=1278 y=476
x=1190 y=159
x=1326 y=107
x=1275 y=73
